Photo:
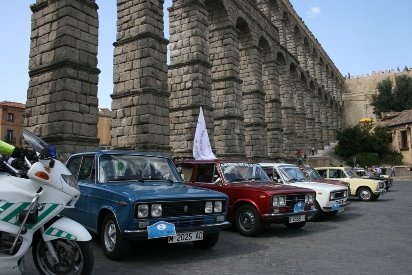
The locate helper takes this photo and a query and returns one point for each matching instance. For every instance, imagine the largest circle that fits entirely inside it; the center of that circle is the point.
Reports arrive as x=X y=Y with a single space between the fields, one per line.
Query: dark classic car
x=129 y=195
x=254 y=200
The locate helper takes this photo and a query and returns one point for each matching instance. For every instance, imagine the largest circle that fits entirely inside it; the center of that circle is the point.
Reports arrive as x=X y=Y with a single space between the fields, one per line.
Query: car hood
x=318 y=185
x=271 y=188
x=336 y=182
x=160 y=190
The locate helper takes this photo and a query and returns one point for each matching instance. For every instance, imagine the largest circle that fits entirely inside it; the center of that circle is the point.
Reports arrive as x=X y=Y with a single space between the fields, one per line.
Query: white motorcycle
x=29 y=208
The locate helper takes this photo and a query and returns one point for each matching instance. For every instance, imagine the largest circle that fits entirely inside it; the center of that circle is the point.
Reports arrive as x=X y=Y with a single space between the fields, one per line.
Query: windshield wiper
x=237 y=179
x=254 y=178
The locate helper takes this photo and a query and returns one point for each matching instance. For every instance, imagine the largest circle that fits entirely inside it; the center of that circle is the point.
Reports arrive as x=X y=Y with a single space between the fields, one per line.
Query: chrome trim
x=340 y=205
x=280 y=215
x=224 y=224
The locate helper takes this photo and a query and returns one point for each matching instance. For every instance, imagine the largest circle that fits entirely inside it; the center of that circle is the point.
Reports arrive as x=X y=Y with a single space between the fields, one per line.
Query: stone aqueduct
x=266 y=86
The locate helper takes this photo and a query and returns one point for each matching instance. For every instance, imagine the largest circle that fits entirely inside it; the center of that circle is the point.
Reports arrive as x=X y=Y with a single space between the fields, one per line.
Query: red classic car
x=254 y=200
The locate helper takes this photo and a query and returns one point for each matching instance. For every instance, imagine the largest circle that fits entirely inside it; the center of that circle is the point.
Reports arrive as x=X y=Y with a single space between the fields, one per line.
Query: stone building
x=266 y=85
x=360 y=89
x=11 y=122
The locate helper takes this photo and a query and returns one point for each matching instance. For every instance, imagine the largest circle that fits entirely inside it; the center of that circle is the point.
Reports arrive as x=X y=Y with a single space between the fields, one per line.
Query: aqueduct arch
x=266 y=86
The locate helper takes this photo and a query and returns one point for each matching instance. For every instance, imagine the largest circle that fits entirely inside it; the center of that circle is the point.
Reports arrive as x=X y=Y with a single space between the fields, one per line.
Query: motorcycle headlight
x=71 y=181
x=309 y=198
x=278 y=201
x=142 y=211
x=156 y=210
x=218 y=207
x=209 y=207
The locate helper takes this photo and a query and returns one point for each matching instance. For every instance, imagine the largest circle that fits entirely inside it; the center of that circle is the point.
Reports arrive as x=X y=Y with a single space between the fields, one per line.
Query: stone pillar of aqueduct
x=266 y=86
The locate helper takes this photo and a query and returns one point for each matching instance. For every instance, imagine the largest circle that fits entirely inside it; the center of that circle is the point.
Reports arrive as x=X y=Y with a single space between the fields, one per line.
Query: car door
x=83 y=167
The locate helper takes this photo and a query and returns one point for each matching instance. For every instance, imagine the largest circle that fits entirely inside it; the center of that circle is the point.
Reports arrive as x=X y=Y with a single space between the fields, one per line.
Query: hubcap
x=365 y=194
x=110 y=236
x=247 y=220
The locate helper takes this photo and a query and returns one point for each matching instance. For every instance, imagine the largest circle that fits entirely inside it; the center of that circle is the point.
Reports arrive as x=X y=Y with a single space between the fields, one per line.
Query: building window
x=10 y=117
x=403 y=142
x=9 y=136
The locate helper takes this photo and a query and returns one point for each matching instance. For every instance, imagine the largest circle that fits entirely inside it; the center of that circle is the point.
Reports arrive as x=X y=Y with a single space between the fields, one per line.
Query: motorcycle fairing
x=65 y=228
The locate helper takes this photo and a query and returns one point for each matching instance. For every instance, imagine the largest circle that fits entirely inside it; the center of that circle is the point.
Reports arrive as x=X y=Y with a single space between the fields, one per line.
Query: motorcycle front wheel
x=74 y=257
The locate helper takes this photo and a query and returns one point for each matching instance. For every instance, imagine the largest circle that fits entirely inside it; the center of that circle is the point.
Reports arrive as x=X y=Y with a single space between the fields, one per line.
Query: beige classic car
x=364 y=189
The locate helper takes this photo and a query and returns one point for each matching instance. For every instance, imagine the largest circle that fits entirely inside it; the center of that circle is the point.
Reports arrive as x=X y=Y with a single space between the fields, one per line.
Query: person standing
x=393 y=171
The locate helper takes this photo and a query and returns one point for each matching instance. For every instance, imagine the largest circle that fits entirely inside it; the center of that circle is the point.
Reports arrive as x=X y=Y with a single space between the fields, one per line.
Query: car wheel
x=295 y=225
x=365 y=194
x=114 y=246
x=313 y=217
x=247 y=221
x=209 y=240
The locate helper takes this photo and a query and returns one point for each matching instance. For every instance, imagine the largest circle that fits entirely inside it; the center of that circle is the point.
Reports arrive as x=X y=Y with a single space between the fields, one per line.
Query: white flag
x=201 y=144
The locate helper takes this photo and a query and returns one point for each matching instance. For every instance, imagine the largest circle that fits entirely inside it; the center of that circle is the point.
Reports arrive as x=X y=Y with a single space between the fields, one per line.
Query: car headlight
x=156 y=210
x=209 y=207
x=309 y=198
x=381 y=184
x=142 y=211
x=218 y=207
x=278 y=201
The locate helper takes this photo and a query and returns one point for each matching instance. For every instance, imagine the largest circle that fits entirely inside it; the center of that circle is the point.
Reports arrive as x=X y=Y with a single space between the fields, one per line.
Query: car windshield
x=117 y=168
x=350 y=173
x=312 y=173
x=292 y=174
x=241 y=172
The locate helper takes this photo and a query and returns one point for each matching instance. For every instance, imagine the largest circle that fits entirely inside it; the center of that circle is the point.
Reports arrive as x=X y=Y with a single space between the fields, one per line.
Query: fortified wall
x=266 y=85
x=360 y=89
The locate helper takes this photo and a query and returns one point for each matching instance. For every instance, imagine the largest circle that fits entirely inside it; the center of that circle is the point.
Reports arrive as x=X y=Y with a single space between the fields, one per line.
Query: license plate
x=298 y=218
x=186 y=237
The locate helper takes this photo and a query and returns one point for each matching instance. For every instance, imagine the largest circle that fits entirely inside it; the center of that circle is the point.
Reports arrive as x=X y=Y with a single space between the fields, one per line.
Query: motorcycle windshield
x=36 y=143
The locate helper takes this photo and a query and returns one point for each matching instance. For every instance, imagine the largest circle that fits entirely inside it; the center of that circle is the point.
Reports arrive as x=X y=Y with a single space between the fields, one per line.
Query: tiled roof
x=403 y=118
x=12 y=104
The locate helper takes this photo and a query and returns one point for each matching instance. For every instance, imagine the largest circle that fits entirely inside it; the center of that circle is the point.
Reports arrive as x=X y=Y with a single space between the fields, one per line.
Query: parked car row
x=128 y=196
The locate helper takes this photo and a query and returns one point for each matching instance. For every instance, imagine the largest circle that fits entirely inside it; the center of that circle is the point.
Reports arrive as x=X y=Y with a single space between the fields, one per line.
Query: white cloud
x=313 y=12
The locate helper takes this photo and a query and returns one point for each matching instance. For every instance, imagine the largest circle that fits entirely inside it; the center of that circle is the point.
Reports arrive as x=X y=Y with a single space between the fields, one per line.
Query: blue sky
x=360 y=36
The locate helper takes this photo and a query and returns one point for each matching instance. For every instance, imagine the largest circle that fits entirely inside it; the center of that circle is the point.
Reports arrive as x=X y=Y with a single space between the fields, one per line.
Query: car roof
x=214 y=161
x=119 y=152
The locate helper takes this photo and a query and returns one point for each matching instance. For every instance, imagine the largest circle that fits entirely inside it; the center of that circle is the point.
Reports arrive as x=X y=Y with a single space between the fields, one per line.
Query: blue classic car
x=128 y=195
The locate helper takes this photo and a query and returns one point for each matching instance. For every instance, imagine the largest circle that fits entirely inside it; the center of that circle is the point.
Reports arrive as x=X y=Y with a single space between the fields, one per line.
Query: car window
x=86 y=171
x=187 y=172
x=127 y=167
x=74 y=164
x=322 y=173
x=336 y=173
x=206 y=173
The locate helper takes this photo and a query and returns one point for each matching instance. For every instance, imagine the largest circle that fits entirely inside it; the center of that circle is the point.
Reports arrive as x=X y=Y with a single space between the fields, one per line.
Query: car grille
x=181 y=208
x=291 y=200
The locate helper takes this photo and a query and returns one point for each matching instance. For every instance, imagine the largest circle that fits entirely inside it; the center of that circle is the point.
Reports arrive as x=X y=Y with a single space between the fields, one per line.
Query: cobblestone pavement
x=368 y=238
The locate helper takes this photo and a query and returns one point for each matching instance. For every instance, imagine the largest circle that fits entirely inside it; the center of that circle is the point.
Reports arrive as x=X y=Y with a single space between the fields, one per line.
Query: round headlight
x=218 y=207
x=142 y=210
x=156 y=210
x=209 y=207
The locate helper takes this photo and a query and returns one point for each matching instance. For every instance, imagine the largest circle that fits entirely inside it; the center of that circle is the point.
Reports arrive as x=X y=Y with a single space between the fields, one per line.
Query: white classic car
x=330 y=198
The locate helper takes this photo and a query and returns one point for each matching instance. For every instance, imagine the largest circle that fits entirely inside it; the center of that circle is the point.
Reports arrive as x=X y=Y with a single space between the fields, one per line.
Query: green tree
x=393 y=98
x=360 y=141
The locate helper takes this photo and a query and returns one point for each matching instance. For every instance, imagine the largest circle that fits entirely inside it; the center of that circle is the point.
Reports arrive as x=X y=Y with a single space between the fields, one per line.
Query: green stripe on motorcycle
x=47 y=212
x=16 y=211
x=6 y=206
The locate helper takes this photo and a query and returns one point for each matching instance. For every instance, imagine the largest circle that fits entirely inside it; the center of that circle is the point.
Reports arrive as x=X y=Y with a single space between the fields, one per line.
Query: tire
x=313 y=217
x=113 y=244
x=209 y=240
x=74 y=257
x=295 y=225
x=365 y=194
x=247 y=221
